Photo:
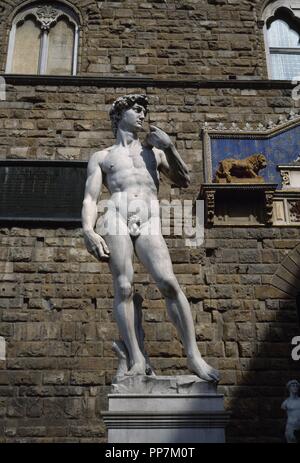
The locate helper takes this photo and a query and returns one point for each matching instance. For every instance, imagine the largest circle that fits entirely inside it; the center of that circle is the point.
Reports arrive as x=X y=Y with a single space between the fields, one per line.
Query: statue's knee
x=124 y=288
x=169 y=287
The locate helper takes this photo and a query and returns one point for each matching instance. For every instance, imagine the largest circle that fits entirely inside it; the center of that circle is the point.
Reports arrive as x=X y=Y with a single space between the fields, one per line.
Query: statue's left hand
x=158 y=138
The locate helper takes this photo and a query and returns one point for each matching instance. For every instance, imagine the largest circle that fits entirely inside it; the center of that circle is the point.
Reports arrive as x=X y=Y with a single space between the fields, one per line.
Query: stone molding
x=142 y=81
x=125 y=420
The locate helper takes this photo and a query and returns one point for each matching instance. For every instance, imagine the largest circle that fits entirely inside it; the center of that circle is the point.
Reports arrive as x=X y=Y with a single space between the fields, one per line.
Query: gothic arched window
x=284 y=49
x=282 y=36
x=43 y=40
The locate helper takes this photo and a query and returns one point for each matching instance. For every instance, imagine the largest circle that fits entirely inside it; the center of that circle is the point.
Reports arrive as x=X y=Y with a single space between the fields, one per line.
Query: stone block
x=269 y=292
x=221 y=291
x=20 y=254
x=216 y=349
x=87 y=378
x=68 y=153
x=73 y=408
x=197 y=292
x=230 y=332
x=32 y=431
x=231 y=349
x=204 y=332
x=53 y=377
x=247 y=349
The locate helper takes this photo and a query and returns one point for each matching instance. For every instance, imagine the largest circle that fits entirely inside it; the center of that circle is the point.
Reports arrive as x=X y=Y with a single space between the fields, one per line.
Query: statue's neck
x=125 y=138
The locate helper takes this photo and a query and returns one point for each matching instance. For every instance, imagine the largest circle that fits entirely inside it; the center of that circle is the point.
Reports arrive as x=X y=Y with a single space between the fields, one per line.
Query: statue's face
x=294 y=388
x=133 y=118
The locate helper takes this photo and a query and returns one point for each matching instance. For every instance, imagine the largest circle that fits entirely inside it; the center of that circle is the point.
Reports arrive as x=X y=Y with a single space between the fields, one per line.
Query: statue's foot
x=199 y=366
x=150 y=371
x=138 y=368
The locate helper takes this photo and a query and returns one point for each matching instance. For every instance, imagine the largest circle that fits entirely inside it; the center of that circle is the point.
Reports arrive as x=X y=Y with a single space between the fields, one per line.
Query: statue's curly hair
x=122 y=103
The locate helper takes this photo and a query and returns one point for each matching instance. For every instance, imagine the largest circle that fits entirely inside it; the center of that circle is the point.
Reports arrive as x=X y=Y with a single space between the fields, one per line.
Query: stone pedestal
x=165 y=409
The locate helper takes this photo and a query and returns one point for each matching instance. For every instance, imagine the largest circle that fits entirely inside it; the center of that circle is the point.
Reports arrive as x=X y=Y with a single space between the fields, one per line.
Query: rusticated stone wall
x=56 y=300
x=68 y=122
x=56 y=317
x=212 y=38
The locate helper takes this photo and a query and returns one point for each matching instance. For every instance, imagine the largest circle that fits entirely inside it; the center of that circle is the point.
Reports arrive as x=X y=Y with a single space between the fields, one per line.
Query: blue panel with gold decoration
x=280 y=144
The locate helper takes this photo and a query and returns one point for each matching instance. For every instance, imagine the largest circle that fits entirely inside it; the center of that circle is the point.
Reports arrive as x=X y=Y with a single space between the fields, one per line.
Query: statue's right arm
x=95 y=244
x=284 y=405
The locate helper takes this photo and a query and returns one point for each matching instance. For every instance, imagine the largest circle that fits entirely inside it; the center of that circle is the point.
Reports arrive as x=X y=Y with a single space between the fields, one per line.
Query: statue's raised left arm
x=171 y=163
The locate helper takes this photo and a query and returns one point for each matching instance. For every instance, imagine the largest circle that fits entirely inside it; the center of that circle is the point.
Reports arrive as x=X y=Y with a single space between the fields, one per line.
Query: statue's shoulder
x=284 y=404
x=98 y=157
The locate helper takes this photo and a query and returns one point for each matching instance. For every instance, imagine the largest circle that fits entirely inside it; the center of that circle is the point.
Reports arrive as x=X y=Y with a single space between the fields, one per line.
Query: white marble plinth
x=165 y=409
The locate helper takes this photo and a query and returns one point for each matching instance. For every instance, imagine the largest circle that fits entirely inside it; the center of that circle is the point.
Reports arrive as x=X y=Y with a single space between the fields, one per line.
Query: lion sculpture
x=236 y=169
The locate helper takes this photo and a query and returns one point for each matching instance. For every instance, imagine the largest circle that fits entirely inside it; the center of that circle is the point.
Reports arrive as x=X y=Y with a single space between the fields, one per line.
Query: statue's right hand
x=96 y=245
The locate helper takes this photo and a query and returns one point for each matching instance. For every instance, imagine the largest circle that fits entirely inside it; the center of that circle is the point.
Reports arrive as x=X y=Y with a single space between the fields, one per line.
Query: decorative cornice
x=112 y=81
x=252 y=131
x=236 y=186
x=293 y=166
x=289 y=194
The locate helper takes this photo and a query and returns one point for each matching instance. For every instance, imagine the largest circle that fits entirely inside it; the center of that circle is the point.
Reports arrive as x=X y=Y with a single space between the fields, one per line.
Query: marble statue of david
x=130 y=171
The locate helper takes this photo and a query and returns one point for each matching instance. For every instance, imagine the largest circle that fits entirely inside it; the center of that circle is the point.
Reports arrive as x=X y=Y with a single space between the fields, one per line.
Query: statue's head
x=293 y=386
x=122 y=104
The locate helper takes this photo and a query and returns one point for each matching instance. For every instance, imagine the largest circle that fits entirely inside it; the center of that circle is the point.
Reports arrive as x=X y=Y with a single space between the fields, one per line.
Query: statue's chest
x=134 y=160
x=294 y=406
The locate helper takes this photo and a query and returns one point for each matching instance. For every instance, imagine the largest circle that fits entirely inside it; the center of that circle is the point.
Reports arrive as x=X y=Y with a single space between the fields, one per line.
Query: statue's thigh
x=121 y=254
x=154 y=254
x=120 y=246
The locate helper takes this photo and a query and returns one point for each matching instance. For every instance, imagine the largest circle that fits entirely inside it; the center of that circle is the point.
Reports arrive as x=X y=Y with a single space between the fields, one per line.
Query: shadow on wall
x=256 y=401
